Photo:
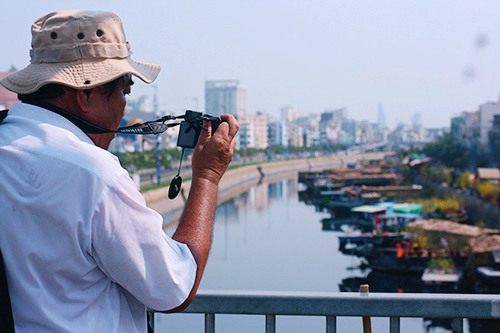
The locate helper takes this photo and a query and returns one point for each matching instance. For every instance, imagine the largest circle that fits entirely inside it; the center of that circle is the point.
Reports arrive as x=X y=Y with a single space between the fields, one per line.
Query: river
x=266 y=239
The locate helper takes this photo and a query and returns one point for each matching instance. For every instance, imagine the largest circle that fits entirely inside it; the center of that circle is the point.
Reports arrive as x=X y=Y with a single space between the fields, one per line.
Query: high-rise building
x=487 y=114
x=225 y=96
x=288 y=114
x=416 y=120
x=381 y=116
x=261 y=139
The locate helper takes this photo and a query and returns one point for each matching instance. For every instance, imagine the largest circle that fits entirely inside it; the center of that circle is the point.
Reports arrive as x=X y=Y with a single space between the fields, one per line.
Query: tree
x=147 y=159
x=449 y=152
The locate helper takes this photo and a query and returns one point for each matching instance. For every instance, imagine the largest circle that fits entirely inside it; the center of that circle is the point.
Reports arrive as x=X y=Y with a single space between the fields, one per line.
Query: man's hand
x=214 y=151
x=211 y=157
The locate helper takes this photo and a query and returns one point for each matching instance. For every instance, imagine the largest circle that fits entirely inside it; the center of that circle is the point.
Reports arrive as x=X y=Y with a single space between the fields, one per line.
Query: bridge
x=455 y=307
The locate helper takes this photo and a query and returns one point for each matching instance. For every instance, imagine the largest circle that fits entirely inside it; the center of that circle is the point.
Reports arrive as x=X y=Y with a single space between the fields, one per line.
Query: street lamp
x=158 y=137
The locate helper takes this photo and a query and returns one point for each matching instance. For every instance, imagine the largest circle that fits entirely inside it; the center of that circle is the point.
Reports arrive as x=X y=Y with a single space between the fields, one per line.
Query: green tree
x=449 y=152
x=147 y=159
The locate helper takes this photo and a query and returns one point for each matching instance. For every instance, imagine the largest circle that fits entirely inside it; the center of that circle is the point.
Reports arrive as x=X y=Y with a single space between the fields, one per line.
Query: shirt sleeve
x=131 y=248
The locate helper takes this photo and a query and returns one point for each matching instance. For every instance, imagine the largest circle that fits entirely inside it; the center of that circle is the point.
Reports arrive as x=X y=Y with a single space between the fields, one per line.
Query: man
x=82 y=251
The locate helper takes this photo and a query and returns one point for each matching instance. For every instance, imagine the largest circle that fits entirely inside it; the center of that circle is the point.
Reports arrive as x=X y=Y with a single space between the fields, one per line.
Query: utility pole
x=158 y=136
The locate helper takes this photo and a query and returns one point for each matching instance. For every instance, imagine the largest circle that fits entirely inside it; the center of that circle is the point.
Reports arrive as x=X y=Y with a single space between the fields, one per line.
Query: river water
x=266 y=239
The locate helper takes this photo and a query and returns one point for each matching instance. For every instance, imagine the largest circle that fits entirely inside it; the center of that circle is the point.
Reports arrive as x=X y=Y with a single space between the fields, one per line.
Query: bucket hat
x=78 y=49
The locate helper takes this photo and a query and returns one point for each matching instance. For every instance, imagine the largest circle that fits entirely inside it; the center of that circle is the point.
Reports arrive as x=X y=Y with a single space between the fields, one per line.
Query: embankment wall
x=241 y=179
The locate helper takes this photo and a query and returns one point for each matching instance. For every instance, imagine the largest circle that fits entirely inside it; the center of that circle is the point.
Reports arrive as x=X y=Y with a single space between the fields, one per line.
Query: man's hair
x=54 y=90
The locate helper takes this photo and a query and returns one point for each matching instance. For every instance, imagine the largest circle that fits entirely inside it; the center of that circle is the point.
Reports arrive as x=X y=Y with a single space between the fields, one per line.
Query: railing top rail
x=347 y=304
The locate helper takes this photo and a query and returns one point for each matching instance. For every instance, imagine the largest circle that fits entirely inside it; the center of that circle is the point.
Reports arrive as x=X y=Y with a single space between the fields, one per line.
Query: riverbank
x=240 y=179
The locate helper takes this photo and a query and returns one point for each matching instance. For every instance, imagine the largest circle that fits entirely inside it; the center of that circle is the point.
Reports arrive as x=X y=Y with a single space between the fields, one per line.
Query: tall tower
x=416 y=120
x=381 y=116
x=225 y=96
x=288 y=114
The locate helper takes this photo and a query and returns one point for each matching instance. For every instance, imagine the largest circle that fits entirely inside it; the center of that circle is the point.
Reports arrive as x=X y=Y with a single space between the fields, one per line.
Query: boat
x=487 y=280
x=348 y=243
x=403 y=259
x=396 y=221
x=369 y=239
x=441 y=280
x=486 y=253
x=384 y=283
x=362 y=217
x=404 y=254
x=333 y=223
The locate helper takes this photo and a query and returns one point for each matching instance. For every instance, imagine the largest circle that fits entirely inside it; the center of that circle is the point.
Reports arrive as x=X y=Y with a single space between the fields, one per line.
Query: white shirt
x=83 y=252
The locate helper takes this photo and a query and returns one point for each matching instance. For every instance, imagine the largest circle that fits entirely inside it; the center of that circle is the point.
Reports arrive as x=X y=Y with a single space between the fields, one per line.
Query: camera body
x=191 y=126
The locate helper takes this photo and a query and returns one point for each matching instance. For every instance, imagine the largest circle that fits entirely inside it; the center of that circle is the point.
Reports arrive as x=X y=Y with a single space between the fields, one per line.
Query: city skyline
x=436 y=59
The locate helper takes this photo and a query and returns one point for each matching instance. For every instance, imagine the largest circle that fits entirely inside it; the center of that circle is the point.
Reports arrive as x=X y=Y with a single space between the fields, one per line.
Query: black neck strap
x=82 y=124
x=149 y=127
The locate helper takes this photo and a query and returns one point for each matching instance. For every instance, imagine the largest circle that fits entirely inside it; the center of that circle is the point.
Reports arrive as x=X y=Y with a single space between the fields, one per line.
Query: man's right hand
x=214 y=151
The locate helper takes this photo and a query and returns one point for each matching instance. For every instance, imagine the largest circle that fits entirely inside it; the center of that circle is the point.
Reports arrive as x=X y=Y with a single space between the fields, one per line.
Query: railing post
x=331 y=324
x=367 y=322
x=151 y=319
x=270 y=323
x=457 y=325
x=394 y=326
x=209 y=322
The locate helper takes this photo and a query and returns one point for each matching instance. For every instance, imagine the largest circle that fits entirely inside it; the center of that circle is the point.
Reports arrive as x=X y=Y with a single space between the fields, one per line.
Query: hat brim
x=78 y=74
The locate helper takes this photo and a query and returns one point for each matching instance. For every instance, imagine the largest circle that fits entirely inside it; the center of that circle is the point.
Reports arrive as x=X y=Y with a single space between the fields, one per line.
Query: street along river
x=266 y=239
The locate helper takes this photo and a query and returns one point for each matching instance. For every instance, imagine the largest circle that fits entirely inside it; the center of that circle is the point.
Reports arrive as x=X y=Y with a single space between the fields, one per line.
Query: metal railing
x=456 y=307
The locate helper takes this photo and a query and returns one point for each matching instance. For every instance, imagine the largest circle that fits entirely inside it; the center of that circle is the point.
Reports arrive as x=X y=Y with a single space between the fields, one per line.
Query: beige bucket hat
x=79 y=49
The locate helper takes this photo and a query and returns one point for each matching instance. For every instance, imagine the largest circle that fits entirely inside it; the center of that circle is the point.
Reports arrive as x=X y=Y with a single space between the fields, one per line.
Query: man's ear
x=82 y=98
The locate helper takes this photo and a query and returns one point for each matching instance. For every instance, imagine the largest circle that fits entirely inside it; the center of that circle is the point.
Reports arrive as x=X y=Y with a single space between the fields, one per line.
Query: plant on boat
x=446 y=265
x=466 y=180
x=448 y=204
x=488 y=191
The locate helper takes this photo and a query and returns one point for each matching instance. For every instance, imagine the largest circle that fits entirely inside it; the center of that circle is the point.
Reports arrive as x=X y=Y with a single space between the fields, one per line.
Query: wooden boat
x=487 y=280
x=441 y=280
x=366 y=239
x=399 y=260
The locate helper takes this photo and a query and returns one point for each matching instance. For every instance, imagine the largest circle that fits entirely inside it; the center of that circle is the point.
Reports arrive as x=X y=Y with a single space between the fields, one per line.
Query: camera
x=191 y=126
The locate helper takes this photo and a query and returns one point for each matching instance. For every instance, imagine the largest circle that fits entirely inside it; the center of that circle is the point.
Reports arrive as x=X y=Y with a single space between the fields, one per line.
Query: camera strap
x=82 y=124
x=149 y=127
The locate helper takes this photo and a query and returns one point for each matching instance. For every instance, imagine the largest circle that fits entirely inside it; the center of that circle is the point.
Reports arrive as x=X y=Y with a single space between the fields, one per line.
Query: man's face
x=108 y=110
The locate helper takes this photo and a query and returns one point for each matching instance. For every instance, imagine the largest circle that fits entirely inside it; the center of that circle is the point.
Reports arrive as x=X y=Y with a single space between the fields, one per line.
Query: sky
x=432 y=57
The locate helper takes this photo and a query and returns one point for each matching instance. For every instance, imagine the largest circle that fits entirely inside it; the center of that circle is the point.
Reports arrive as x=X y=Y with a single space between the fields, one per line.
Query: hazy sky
x=437 y=58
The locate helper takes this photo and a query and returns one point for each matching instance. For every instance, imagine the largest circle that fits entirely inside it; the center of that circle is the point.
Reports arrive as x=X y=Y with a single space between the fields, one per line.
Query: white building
x=260 y=126
x=288 y=114
x=486 y=114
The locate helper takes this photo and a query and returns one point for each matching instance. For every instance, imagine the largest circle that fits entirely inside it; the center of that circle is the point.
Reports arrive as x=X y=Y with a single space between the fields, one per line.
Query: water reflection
x=266 y=239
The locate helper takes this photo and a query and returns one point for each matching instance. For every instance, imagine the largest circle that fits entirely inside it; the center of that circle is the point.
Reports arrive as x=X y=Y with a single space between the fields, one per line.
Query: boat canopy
x=488 y=272
x=407 y=208
x=368 y=209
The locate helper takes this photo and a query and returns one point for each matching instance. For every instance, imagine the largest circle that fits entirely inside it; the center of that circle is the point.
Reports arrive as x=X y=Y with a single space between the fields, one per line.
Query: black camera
x=191 y=127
